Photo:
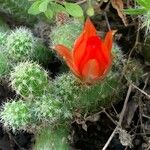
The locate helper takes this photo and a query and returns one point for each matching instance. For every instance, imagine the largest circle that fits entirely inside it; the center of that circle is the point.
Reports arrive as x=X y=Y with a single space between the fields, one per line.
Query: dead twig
x=104 y=110
x=110 y=138
x=120 y=119
x=81 y=2
x=143 y=92
x=107 y=21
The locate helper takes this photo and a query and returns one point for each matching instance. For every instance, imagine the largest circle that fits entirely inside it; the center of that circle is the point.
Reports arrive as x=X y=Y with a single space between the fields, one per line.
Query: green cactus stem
x=29 y=80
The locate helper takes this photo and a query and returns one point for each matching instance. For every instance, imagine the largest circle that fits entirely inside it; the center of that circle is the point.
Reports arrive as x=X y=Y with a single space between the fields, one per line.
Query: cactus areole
x=90 y=59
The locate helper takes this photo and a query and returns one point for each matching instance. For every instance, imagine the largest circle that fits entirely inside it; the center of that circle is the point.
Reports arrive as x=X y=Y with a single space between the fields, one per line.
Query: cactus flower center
x=90 y=59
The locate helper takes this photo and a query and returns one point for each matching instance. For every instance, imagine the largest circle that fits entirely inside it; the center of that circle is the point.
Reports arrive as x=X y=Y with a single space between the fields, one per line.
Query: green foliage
x=15 y=115
x=18 y=9
x=47 y=109
x=20 y=44
x=74 y=9
x=49 y=139
x=137 y=11
x=143 y=10
x=66 y=34
x=29 y=80
x=51 y=7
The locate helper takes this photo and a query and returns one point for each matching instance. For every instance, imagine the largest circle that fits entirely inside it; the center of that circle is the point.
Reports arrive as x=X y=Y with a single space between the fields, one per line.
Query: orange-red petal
x=95 y=50
x=109 y=40
x=91 y=71
x=89 y=28
x=79 y=49
x=67 y=56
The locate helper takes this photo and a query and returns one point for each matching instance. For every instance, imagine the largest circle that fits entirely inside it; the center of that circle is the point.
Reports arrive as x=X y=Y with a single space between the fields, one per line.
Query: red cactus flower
x=90 y=59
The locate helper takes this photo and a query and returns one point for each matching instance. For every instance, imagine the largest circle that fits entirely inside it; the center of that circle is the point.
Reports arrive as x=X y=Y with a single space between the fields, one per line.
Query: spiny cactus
x=20 y=44
x=3 y=37
x=133 y=70
x=65 y=86
x=79 y=96
x=15 y=115
x=4 y=64
x=29 y=80
x=17 y=9
x=52 y=139
x=66 y=33
x=101 y=94
x=41 y=54
x=47 y=109
x=118 y=58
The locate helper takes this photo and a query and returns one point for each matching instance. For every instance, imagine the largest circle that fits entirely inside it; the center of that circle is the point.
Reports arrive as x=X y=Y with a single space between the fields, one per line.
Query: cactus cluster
x=29 y=80
x=49 y=104
x=15 y=115
x=19 y=45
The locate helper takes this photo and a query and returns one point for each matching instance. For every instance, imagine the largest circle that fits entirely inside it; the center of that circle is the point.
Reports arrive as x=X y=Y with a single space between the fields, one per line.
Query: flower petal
x=109 y=40
x=79 y=49
x=67 y=56
x=91 y=71
x=95 y=49
x=80 y=44
x=89 y=28
x=63 y=51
